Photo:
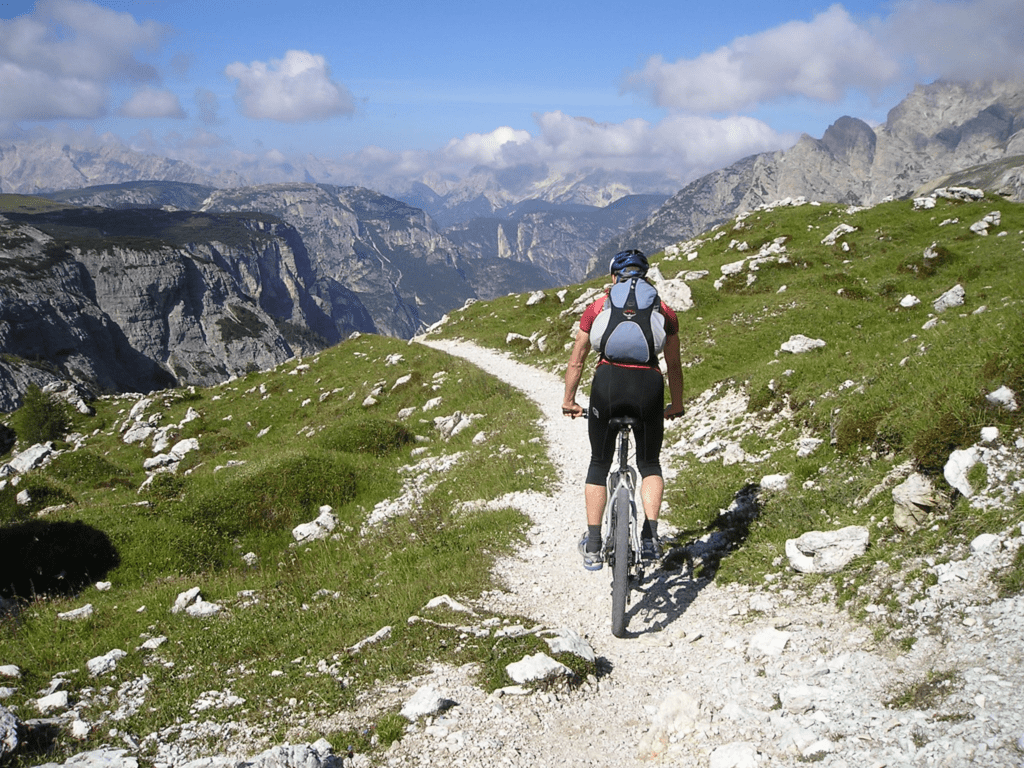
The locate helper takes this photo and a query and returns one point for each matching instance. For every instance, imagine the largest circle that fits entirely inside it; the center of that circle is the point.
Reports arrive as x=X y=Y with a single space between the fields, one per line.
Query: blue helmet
x=631 y=262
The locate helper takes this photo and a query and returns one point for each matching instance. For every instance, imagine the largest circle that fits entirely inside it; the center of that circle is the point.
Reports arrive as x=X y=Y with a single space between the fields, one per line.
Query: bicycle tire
x=620 y=565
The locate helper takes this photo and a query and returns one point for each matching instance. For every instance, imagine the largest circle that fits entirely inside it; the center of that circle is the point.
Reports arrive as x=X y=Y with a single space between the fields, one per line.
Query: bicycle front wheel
x=620 y=565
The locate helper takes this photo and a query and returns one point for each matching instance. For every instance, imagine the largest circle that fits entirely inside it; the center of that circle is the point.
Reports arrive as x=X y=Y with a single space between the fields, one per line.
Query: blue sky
x=386 y=89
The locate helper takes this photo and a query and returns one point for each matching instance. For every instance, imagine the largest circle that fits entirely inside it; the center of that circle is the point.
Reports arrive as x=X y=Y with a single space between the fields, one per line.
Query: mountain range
x=313 y=262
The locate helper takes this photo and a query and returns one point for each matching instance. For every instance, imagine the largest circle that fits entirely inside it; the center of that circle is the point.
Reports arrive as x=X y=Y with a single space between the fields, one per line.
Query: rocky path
x=727 y=676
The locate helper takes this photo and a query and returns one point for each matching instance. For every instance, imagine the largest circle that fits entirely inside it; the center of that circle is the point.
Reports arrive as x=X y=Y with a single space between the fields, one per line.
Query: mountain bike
x=621 y=527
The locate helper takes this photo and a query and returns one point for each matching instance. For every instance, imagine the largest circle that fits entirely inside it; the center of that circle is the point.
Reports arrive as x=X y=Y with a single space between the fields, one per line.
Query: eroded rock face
x=147 y=310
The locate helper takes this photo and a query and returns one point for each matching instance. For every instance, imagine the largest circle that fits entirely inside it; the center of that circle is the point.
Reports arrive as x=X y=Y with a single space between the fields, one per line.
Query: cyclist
x=620 y=389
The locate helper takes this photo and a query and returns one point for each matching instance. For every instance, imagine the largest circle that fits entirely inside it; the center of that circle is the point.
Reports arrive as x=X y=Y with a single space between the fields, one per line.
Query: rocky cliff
x=140 y=301
x=939 y=129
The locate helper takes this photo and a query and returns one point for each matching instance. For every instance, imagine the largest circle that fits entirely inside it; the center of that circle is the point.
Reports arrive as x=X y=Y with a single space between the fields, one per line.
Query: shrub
x=41 y=417
x=88 y=469
x=855 y=430
x=373 y=435
x=274 y=496
x=931 y=448
x=41 y=493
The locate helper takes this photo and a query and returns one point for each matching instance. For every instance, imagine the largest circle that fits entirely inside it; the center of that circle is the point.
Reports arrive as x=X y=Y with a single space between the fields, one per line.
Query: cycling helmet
x=630 y=262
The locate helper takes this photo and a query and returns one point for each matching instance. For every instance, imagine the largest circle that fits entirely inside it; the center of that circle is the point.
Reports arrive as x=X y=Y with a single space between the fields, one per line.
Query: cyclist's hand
x=673 y=411
x=572 y=410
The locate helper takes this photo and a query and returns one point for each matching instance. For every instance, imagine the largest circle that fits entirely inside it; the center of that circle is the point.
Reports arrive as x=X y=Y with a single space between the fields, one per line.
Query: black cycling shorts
x=619 y=391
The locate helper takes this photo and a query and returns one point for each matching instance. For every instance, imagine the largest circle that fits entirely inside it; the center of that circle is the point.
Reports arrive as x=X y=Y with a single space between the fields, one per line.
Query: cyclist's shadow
x=689 y=566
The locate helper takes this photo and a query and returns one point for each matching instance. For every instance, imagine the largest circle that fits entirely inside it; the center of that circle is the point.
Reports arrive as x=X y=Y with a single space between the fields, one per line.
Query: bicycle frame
x=621 y=528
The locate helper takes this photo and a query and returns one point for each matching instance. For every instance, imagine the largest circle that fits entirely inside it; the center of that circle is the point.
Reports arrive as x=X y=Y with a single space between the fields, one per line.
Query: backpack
x=630 y=328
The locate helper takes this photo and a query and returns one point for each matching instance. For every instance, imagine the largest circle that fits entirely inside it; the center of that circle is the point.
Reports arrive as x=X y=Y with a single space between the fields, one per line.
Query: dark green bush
x=931 y=448
x=88 y=469
x=372 y=435
x=41 y=417
x=275 y=496
x=855 y=430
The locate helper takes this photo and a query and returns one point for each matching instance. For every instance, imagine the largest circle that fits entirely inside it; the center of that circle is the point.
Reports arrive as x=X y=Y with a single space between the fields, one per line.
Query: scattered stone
x=1004 y=397
x=537 y=667
x=184 y=600
x=913 y=501
x=101 y=665
x=78 y=614
x=424 y=703
x=957 y=468
x=320 y=528
x=954 y=297
x=827 y=552
x=52 y=703
x=798 y=344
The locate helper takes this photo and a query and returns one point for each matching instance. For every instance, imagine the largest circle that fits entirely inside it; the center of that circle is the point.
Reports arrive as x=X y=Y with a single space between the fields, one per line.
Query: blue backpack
x=630 y=328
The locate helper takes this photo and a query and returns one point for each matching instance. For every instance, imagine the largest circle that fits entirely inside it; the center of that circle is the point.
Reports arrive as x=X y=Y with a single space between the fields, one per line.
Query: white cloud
x=150 y=103
x=821 y=59
x=485 y=148
x=294 y=89
x=57 y=61
x=960 y=40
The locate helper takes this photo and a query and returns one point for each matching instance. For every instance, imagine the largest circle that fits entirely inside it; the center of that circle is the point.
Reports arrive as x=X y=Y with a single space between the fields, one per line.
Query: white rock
x=768 y=642
x=446 y=602
x=54 y=701
x=31 y=457
x=540 y=666
x=986 y=542
x=776 y=483
x=184 y=599
x=426 y=701
x=78 y=614
x=738 y=754
x=909 y=301
x=954 y=297
x=79 y=730
x=10 y=671
x=201 y=609
x=535 y=298
x=376 y=637
x=989 y=434
x=1003 y=397
x=100 y=665
x=957 y=468
x=570 y=641
x=320 y=528
x=805 y=446
x=798 y=344
x=827 y=552
x=677 y=716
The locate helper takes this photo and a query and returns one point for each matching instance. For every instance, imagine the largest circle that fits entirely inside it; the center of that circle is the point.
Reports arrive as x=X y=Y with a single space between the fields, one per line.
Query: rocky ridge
x=936 y=131
x=149 y=309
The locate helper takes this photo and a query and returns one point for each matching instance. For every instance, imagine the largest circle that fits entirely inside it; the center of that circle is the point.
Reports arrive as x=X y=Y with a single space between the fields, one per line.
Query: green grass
x=274 y=447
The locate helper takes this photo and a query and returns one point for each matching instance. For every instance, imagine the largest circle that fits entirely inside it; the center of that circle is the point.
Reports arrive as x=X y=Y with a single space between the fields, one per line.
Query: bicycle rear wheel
x=620 y=565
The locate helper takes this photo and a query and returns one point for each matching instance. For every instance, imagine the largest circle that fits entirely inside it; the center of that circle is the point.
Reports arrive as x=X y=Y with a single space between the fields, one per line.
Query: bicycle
x=621 y=527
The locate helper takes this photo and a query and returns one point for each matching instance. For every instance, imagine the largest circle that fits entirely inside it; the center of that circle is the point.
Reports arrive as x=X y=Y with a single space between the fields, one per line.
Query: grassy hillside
x=273 y=448
x=893 y=389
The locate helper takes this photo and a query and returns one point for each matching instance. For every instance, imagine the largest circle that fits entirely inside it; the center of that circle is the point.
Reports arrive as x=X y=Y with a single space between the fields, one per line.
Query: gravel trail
x=725 y=676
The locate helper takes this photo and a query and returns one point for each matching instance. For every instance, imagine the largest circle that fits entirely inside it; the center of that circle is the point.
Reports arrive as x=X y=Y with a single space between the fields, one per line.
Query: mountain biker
x=620 y=389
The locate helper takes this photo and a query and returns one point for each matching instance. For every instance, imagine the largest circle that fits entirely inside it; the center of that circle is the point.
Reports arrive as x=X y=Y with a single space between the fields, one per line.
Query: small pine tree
x=41 y=417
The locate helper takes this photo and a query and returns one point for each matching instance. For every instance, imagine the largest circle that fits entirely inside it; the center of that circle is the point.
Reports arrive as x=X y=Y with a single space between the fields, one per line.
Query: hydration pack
x=630 y=328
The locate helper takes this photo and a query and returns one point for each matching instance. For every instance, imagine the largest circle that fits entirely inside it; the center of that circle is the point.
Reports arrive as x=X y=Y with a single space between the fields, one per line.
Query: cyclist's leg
x=602 y=447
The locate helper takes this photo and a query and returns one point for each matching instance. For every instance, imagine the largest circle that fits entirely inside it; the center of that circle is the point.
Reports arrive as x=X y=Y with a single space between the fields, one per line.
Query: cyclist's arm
x=573 y=374
x=675 y=377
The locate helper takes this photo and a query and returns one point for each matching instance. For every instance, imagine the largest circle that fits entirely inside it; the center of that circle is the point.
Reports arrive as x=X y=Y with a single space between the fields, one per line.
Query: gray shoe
x=592 y=561
x=650 y=549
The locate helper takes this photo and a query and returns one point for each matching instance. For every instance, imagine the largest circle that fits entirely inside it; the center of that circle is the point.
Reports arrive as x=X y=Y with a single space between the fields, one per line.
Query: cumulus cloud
x=959 y=40
x=58 y=61
x=485 y=148
x=822 y=59
x=294 y=89
x=150 y=103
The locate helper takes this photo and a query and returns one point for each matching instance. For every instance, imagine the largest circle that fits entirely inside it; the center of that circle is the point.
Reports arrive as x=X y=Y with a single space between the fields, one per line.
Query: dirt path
x=729 y=677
